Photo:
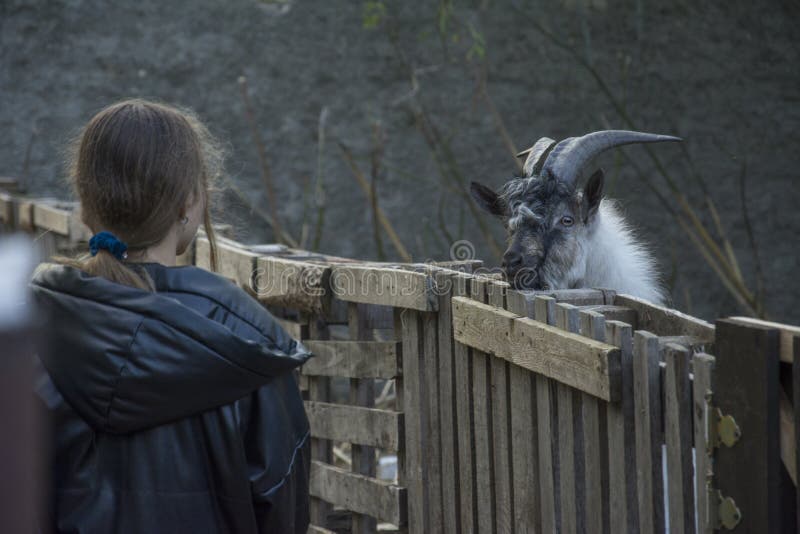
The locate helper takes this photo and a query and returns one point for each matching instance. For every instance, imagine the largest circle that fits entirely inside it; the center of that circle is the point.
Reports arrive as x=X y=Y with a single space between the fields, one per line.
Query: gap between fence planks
x=364 y=495
x=579 y=362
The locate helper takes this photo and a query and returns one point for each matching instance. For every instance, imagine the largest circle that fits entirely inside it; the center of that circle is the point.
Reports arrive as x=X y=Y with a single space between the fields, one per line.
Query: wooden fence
x=510 y=411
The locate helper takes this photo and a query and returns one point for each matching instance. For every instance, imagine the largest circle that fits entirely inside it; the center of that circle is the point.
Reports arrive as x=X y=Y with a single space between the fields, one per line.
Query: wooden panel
x=321 y=449
x=482 y=421
x=615 y=415
x=581 y=363
x=677 y=430
x=787 y=333
x=524 y=438
x=595 y=440
x=293 y=328
x=432 y=446
x=702 y=385
x=62 y=218
x=447 y=404
x=7 y=207
x=576 y=297
x=413 y=405
x=296 y=284
x=389 y=287
x=796 y=391
x=464 y=423
x=615 y=313
x=358 y=493
x=353 y=359
x=746 y=387
x=666 y=322
x=233 y=261
x=25 y=215
x=647 y=409
x=355 y=424
x=501 y=430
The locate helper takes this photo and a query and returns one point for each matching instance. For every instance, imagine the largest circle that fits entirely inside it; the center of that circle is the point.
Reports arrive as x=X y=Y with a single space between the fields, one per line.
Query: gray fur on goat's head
x=551 y=222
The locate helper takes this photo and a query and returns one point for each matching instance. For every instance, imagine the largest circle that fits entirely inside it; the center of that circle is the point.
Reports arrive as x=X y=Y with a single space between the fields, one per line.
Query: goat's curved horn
x=536 y=156
x=565 y=161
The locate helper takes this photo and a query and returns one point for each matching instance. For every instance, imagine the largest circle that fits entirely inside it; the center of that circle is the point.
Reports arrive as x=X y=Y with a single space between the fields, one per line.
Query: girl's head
x=143 y=171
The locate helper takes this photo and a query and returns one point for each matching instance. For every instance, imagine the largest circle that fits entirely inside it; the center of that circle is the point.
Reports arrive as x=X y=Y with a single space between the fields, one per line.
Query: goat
x=564 y=237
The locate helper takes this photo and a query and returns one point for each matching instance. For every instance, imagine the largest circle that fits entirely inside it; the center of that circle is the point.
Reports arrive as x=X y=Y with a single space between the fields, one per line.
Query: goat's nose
x=512 y=260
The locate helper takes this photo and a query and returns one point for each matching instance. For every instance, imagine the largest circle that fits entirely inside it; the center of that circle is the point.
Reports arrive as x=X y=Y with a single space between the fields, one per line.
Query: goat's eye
x=566 y=220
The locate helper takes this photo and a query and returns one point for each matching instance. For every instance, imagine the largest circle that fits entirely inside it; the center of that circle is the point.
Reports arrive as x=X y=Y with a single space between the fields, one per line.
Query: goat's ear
x=593 y=194
x=487 y=199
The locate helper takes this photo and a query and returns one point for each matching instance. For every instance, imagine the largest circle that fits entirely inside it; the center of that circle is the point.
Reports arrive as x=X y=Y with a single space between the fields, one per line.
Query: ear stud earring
x=185 y=219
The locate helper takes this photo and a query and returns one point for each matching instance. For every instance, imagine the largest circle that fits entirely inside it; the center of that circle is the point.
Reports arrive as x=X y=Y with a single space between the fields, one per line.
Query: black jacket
x=173 y=411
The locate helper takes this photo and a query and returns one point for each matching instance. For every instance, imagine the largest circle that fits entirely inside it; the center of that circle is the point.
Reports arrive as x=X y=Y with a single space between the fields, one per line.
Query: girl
x=172 y=400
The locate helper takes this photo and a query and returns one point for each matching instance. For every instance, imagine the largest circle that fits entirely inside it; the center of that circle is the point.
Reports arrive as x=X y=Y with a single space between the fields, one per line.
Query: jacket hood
x=127 y=359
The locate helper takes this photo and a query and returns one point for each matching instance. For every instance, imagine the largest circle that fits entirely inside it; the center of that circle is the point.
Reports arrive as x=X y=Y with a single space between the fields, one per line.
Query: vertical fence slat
x=466 y=450
x=796 y=394
x=321 y=449
x=482 y=417
x=618 y=334
x=432 y=459
x=570 y=438
x=362 y=393
x=524 y=441
x=647 y=404
x=746 y=387
x=677 y=430
x=703 y=367
x=450 y=465
x=501 y=427
x=593 y=325
x=544 y=311
x=400 y=406
x=413 y=405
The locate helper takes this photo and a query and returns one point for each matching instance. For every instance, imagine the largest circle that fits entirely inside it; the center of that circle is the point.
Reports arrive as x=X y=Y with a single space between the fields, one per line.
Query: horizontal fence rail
x=442 y=400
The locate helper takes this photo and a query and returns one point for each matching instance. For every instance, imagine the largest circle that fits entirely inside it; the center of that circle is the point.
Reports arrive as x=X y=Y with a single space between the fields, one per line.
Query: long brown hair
x=134 y=167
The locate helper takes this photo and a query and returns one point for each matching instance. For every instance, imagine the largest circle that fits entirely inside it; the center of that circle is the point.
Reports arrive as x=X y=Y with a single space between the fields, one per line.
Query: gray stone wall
x=722 y=75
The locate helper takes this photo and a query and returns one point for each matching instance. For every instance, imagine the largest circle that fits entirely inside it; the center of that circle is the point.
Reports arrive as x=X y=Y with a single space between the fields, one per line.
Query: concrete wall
x=723 y=77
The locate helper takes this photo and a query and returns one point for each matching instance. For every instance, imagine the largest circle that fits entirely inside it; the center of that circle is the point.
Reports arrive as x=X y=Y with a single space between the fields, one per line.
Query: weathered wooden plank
x=665 y=321
x=618 y=497
x=295 y=329
x=501 y=421
x=353 y=359
x=451 y=518
x=7 y=209
x=314 y=529
x=746 y=387
x=549 y=496
x=358 y=493
x=786 y=333
x=355 y=424
x=413 y=406
x=464 y=423
x=796 y=391
x=647 y=410
x=233 y=262
x=321 y=449
x=581 y=363
x=576 y=297
x=614 y=313
x=702 y=385
x=482 y=420
x=595 y=460
x=432 y=458
x=570 y=438
x=362 y=393
x=301 y=285
x=389 y=287
x=25 y=214
x=787 y=431
x=524 y=438
x=677 y=433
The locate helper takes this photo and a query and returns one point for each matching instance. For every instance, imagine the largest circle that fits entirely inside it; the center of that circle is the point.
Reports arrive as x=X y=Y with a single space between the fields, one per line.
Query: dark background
x=421 y=95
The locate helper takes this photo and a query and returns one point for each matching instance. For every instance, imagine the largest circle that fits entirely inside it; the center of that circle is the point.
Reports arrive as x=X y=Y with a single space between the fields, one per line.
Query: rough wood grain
x=702 y=385
x=664 y=321
x=786 y=332
x=413 y=406
x=358 y=493
x=677 y=430
x=647 y=409
x=594 y=439
x=464 y=410
x=524 y=437
x=295 y=329
x=321 y=449
x=353 y=359
x=746 y=387
x=355 y=424
x=544 y=313
x=482 y=420
x=389 y=287
x=301 y=285
x=451 y=517
x=432 y=442
x=581 y=363
x=233 y=262
x=7 y=209
x=614 y=313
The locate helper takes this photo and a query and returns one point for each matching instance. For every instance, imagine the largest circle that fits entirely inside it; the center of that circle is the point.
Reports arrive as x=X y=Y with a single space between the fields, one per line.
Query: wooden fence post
x=747 y=389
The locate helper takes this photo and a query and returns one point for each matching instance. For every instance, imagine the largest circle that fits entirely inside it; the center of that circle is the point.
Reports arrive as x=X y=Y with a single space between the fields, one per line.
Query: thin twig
x=376 y=157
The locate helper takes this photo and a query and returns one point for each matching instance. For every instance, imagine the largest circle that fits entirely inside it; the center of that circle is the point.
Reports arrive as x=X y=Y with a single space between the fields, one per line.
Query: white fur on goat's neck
x=612 y=258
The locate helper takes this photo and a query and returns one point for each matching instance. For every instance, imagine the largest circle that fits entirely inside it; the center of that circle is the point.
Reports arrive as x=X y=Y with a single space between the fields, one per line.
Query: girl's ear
x=592 y=195
x=487 y=199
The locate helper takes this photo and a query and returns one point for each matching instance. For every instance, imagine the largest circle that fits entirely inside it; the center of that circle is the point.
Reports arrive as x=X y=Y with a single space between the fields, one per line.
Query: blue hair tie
x=109 y=242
